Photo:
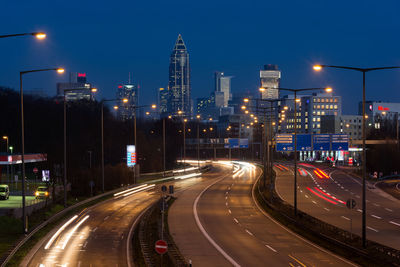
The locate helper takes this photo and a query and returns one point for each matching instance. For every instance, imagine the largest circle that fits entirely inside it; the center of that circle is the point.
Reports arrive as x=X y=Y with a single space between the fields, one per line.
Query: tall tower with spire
x=179 y=86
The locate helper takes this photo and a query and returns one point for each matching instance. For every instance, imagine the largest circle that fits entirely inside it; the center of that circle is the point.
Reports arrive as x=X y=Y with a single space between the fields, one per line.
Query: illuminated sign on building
x=81 y=74
x=130 y=156
x=383 y=108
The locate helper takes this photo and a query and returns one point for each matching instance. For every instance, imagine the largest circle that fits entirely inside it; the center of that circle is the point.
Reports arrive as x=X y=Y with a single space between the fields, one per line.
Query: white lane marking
x=196 y=216
x=226 y=197
x=306 y=196
x=314 y=202
x=376 y=205
x=226 y=193
x=236 y=221
x=388 y=209
x=359 y=210
x=327 y=209
x=271 y=248
x=106 y=218
x=370 y=228
x=94 y=230
x=226 y=203
x=84 y=245
x=377 y=217
x=345 y=218
x=250 y=233
x=301 y=191
x=357 y=196
x=230 y=212
x=395 y=223
x=79 y=263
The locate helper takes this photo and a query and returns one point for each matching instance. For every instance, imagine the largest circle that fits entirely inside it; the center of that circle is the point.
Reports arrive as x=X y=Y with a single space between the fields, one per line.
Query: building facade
x=163 y=100
x=127 y=110
x=270 y=78
x=223 y=85
x=77 y=88
x=179 y=86
x=344 y=124
x=378 y=111
x=310 y=109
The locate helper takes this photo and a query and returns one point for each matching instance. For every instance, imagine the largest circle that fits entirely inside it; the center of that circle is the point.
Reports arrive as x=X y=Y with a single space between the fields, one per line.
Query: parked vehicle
x=4 y=192
x=42 y=192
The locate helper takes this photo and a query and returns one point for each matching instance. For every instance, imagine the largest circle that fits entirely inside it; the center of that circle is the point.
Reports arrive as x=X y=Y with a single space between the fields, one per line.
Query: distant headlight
x=37 y=193
x=46 y=193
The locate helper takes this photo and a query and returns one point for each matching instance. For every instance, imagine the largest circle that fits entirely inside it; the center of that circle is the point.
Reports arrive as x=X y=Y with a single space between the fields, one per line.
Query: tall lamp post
x=6 y=138
x=93 y=90
x=198 y=140
x=153 y=106
x=295 y=91
x=21 y=74
x=124 y=100
x=364 y=155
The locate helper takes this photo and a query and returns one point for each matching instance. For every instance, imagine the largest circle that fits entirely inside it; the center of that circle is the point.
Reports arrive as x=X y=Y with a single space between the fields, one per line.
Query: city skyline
x=301 y=44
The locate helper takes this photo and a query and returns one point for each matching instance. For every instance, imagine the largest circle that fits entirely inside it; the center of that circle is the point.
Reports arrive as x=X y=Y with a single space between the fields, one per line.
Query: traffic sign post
x=161 y=247
x=350 y=204
x=304 y=142
x=284 y=142
x=322 y=142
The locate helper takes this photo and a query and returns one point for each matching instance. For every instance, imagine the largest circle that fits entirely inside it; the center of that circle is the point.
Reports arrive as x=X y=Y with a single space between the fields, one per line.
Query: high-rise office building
x=270 y=78
x=127 y=110
x=179 y=86
x=223 y=84
x=77 y=88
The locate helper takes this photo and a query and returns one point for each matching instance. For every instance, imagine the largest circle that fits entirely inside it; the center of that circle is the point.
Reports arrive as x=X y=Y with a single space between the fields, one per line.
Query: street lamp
x=364 y=155
x=124 y=100
x=38 y=35
x=296 y=100
x=198 y=140
x=59 y=70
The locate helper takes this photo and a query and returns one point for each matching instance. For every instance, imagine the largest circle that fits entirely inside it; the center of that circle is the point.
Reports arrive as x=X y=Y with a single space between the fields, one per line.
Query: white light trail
x=139 y=190
x=73 y=231
x=188 y=176
x=59 y=231
x=130 y=189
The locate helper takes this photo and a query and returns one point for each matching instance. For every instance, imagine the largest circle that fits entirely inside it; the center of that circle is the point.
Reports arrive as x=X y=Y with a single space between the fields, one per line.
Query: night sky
x=109 y=39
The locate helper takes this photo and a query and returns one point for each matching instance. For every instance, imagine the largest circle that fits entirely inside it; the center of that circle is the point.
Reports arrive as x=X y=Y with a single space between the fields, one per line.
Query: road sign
x=35 y=170
x=340 y=142
x=350 y=203
x=321 y=142
x=161 y=247
x=304 y=142
x=244 y=143
x=284 y=142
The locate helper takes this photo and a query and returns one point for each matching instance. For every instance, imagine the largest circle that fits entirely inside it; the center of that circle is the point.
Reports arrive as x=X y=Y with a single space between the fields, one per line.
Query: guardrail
x=374 y=252
x=6 y=258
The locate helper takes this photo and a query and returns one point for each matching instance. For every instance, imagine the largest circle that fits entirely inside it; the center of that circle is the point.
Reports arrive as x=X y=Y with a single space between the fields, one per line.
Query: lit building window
x=318 y=100
x=313 y=119
x=318 y=119
x=322 y=100
x=335 y=106
x=318 y=113
x=336 y=100
x=318 y=125
x=322 y=113
x=335 y=113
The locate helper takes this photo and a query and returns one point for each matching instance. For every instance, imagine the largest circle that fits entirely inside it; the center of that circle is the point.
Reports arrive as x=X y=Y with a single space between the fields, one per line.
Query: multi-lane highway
x=217 y=223
x=322 y=193
x=98 y=236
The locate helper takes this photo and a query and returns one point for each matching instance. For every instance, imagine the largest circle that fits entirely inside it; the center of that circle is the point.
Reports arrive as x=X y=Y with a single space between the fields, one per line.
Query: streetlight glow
x=285 y=107
x=243 y=107
x=115 y=107
x=5 y=137
x=246 y=100
x=125 y=100
x=93 y=90
x=153 y=106
x=328 y=90
x=60 y=70
x=40 y=35
x=317 y=67
x=261 y=89
x=198 y=116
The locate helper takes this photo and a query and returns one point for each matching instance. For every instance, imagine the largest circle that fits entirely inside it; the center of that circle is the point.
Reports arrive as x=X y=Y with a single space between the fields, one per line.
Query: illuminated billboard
x=130 y=156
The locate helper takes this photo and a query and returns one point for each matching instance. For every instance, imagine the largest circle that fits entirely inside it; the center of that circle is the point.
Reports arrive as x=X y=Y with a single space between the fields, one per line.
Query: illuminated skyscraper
x=163 y=100
x=129 y=91
x=223 y=84
x=270 y=78
x=179 y=87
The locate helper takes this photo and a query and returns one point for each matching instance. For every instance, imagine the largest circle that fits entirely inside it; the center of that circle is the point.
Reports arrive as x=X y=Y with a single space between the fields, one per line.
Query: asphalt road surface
x=325 y=197
x=98 y=235
x=216 y=223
